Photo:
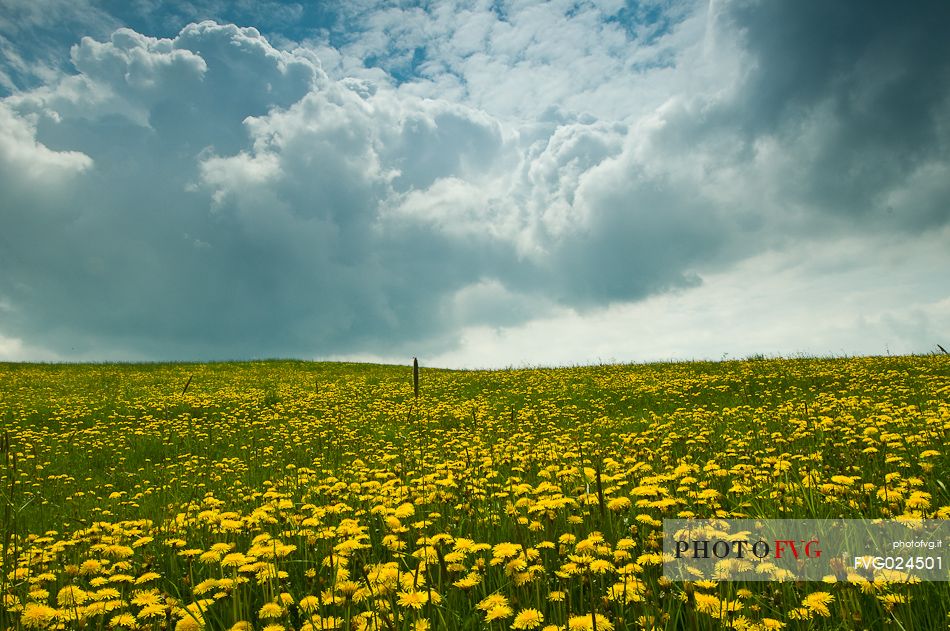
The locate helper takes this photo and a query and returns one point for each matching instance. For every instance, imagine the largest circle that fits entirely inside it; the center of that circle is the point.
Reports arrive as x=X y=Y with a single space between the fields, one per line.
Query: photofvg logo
x=851 y=550
x=743 y=548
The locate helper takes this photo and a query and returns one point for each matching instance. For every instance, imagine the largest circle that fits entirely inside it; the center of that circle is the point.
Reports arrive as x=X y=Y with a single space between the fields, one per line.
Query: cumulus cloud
x=426 y=174
x=20 y=153
x=287 y=181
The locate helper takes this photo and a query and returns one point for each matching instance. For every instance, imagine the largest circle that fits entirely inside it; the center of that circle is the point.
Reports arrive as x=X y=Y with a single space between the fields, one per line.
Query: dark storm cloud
x=870 y=81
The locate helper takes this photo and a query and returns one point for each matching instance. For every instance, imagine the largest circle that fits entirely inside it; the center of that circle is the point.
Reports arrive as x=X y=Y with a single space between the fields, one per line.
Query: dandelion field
x=293 y=495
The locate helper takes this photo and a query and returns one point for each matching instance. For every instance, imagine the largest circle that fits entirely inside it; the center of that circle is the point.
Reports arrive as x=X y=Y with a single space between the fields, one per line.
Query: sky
x=476 y=183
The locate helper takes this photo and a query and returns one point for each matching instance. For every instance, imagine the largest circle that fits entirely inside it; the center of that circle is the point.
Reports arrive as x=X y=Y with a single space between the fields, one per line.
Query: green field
x=295 y=495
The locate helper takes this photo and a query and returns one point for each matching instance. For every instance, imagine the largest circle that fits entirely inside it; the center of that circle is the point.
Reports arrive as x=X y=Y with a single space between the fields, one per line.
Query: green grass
x=120 y=443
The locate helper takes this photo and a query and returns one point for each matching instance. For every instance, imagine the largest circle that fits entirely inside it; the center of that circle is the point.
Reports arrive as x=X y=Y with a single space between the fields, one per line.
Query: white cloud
x=519 y=62
x=20 y=153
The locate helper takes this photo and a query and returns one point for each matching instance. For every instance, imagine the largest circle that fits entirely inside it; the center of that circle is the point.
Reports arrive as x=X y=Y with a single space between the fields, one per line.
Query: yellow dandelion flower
x=308 y=604
x=600 y=566
x=271 y=610
x=405 y=510
x=586 y=623
x=70 y=596
x=144 y=598
x=90 y=567
x=148 y=576
x=155 y=610
x=498 y=612
x=619 y=504
x=707 y=604
x=123 y=621
x=234 y=559
x=118 y=551
x=494 y=600
x=37 y=616
x=205 y=586
x=41 y=594
x=818 y=602
x=527 y=619
x=190 y=623
x=412 y=599
x=892 y=600
x=317 y=623
x=918 y=500
x=469 y=581
x=506 y=550
x=19 y=574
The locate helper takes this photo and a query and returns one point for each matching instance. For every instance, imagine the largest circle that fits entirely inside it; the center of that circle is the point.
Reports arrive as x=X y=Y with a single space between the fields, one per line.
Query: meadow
x=292 y=495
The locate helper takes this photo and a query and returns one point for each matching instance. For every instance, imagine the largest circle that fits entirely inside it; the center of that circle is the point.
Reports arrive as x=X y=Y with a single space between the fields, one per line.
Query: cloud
x=35 y=37
x=20 y=153
x=432 y=179
x=858 y=298
x=515 y=60
x=287 y=181
x=858 y=99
